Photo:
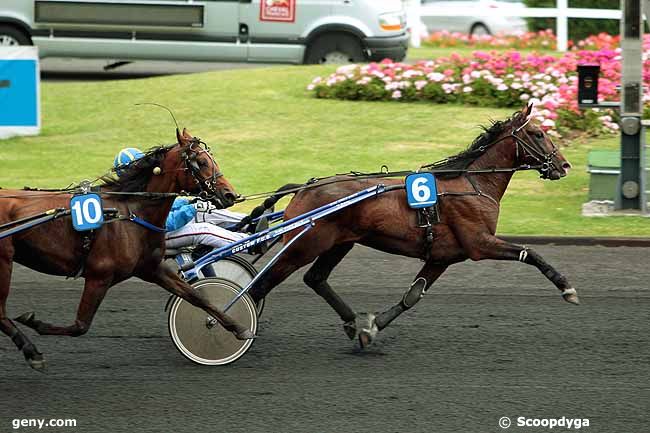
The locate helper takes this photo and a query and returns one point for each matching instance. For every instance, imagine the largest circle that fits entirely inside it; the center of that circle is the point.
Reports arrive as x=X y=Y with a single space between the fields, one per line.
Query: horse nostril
x=231 y=197
x=566 y=165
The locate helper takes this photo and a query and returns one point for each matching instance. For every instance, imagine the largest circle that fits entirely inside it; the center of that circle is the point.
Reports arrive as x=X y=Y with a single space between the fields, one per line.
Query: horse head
x=198 y=170
x=535 y=147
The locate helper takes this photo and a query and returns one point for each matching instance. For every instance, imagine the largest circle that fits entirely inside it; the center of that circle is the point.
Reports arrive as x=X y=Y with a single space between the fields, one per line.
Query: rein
x=80 y=190
x=355 y=175
x=545 y=163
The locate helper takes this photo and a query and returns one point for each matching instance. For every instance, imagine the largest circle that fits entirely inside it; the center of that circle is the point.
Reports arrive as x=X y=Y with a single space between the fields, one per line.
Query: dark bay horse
x=468 y=210
x=119 y=250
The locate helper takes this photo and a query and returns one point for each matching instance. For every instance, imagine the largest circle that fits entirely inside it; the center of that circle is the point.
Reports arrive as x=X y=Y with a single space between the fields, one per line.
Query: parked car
x=287 y=31
x=485 y=21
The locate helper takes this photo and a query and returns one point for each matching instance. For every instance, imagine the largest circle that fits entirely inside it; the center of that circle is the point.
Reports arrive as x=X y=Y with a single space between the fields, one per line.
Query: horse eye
x=539 y=134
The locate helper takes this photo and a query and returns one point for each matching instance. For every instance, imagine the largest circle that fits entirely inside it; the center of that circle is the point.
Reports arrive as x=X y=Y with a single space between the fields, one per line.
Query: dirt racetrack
x=489 y=340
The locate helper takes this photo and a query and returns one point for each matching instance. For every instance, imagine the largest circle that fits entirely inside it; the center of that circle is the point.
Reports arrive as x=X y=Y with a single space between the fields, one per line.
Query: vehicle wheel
x=479 y=30
x=235 y=269
x=192 y=332
x=11 y=36
x=334 y=49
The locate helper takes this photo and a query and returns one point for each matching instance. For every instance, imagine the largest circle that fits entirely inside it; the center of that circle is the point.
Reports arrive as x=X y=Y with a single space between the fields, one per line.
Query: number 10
x=82 y=212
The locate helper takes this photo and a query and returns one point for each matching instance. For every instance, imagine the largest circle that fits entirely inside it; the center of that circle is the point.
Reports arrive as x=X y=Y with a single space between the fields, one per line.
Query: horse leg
x=33 y=357
x=316 y=278
x=491 y=247
x=94 y=291
x=169 y=280
x=424 y=279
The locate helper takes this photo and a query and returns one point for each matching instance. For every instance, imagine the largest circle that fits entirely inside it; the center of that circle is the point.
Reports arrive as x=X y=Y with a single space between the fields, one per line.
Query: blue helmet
x=126 y=157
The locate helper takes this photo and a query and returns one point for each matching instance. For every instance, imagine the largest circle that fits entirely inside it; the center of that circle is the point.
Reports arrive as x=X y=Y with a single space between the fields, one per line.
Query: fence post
x=562 y=24
x=414 y=21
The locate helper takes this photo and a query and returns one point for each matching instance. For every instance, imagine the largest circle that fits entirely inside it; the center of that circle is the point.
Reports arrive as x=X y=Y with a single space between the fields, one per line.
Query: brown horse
x=118 y=250
x=468 y=212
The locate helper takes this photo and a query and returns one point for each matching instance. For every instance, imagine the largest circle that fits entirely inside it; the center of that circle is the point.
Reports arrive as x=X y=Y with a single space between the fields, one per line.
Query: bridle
x=534 y=151
x=190 y=158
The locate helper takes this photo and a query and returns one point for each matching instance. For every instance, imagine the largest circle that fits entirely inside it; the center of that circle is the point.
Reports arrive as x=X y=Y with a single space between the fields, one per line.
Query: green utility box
x=604 y=168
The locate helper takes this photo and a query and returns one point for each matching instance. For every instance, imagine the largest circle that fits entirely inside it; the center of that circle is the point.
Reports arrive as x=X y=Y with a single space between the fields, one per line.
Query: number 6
x=421 y=192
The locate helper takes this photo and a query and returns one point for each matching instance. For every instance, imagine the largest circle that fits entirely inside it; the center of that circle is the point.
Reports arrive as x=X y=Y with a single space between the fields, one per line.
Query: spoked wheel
x=235 y=269
x=197 y=335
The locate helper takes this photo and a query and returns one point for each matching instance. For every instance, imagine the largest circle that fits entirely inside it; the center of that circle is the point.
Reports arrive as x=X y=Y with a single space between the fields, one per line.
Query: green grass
x=424 y=52
x=266 y=130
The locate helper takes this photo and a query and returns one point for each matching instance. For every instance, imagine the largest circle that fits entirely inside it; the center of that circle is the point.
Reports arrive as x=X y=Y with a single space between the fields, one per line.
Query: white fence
x=561 y=13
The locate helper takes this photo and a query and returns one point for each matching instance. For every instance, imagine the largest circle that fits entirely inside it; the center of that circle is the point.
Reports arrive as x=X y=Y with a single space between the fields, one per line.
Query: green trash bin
x=604 y=167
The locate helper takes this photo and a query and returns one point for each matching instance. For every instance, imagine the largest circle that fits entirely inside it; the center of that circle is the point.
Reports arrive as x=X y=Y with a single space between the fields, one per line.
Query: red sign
x=278 y=10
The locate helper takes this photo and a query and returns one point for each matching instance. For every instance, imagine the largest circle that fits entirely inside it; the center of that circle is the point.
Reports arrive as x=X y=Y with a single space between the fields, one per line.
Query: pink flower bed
x=544 y=39
x=499 y=79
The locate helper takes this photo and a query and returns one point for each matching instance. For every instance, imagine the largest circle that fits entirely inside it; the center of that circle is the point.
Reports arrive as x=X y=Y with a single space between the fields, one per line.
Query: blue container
x=19 y=91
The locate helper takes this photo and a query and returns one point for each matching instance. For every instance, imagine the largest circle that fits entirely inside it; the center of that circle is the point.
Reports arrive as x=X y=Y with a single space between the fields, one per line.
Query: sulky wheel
x=235 y=269
x=198 y=337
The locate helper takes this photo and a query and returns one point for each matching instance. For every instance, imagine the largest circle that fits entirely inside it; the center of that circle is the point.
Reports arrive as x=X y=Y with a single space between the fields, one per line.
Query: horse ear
x=522 y=116
x=529 y=109
x=181 y=138
x=187 y=134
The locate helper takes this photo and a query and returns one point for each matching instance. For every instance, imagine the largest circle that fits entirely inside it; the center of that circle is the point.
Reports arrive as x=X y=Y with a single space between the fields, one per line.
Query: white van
x=286 y=31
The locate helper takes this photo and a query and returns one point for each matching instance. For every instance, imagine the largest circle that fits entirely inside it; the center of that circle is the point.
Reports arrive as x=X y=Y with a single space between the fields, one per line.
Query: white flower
x=413 y=73
x=435 y=76
x=420 y=84
x=346 y=69
x=396 y=94
x=524 y=97
x=467 y=89
x=502 y=87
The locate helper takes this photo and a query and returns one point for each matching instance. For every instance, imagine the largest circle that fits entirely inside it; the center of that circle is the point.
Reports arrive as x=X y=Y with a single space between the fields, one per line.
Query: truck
x=267 y=31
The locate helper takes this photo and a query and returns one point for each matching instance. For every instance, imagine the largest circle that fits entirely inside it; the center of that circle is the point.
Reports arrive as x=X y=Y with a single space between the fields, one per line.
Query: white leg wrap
x=523 y=254
x=570 y=291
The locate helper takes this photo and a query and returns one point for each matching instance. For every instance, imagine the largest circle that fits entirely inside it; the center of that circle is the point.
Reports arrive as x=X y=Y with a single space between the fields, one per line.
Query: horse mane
x=477 y=148
x=135 y=176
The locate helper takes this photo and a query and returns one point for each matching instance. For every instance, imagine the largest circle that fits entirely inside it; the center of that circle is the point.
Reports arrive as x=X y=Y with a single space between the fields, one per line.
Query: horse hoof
x=34 y=358
x=368 y=330
x=571 y=296
x=365 y=339
x=350 y=329
x=245 y=335
x=26 y=318
x=38 y=364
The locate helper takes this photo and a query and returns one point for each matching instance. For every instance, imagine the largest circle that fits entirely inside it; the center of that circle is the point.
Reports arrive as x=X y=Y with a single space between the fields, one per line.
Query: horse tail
x=268 y=204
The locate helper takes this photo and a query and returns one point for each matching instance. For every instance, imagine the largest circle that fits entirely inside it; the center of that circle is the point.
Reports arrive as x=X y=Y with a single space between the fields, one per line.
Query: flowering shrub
x=500 y=79
x=601 y=41
x=544 y=39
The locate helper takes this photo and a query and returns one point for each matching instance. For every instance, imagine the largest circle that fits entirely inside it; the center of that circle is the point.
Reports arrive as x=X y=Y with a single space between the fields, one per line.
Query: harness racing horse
x=145 y=189
x=468 y=212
